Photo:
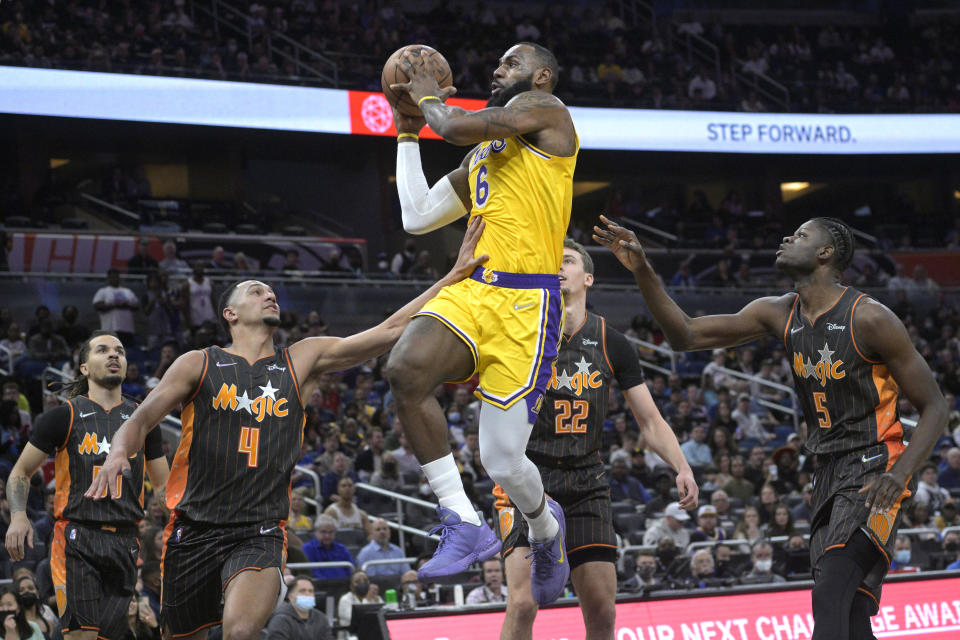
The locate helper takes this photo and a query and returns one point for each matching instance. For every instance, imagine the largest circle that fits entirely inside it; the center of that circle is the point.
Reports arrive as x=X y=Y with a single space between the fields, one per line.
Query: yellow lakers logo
x=267 y=404
x=582 y=379
x=825 y=369
x=506 y=522
x=489 y=276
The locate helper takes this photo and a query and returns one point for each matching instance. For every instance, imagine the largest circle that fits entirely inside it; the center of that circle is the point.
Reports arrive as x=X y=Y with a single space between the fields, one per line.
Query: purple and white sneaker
x=461 y=545
x=550 y=569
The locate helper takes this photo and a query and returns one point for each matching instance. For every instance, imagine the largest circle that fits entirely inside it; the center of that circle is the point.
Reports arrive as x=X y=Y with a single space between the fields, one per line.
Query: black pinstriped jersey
x=570 y=424
x=80 y=432
x=241 y=439
x=849 y=401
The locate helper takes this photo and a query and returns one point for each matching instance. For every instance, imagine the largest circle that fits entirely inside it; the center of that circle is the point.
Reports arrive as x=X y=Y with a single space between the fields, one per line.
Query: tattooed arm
x=529 y=112
x=18 y=486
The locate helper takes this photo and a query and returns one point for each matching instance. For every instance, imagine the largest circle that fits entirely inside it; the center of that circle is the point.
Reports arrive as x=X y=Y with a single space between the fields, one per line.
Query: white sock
x=544 y=527
x=444 y=479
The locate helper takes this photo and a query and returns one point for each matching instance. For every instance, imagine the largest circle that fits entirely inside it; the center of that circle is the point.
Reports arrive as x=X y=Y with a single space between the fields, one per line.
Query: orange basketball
x=393 y=73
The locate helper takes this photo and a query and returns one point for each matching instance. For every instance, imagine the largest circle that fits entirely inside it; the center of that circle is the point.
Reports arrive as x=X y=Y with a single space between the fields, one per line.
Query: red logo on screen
x=376 y=114
x=370 y=114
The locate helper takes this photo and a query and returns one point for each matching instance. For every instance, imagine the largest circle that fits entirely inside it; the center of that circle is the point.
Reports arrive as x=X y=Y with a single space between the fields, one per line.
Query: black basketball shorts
x=200 y=559
x=584 y=494
x=94 y=571
x=839 y=510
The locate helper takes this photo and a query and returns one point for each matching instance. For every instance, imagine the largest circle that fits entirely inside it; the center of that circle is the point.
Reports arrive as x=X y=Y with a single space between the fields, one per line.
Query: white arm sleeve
x=423 y=209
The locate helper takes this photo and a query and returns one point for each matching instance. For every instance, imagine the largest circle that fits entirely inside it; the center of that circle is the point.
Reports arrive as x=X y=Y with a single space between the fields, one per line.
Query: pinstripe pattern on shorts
x=199 y=560
x=94 y=572
x=839 y=510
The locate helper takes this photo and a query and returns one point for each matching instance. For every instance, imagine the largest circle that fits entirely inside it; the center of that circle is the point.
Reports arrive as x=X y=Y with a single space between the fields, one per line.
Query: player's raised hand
x=408 y=124
x=20 y=529
x=105 y=483
x=622 y=242
x=422 y=81
x=466 y=261
x=687 y=490
x=883 y=491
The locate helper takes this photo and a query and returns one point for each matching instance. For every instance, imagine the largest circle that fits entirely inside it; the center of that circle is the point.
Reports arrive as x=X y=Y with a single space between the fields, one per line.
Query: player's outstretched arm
x=761 y=317
x=424 y=208
x=18 y=486
x=880 y=336
x=663 y=441
x=315 y=355
x=178 y=383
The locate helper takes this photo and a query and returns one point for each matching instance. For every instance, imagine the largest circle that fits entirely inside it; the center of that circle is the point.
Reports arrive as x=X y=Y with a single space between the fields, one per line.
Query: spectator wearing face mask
x=15 y=624
x=762 y=571
x=646 y=570
x=361 y=592
x=412 y=592
x=298 y=618
x=903 y=559
x=33 y=608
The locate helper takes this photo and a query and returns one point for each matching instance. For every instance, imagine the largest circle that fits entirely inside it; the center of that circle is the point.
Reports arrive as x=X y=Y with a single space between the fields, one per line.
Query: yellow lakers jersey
x=525 y=196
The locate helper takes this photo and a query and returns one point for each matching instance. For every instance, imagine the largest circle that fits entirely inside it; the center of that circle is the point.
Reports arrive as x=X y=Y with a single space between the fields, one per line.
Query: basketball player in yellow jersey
x=505 y=321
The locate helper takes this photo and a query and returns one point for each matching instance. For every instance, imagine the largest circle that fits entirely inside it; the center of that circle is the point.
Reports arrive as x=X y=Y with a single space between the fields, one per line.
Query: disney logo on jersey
x=825 y=369
x=496 y=146
x=582 y=379
x=835 y=327
x=267 y=404
x=90 y=445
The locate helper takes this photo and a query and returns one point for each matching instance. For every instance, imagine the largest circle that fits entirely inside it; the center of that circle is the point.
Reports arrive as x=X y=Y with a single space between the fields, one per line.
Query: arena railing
x=9 y=360
x=666 y=351
x=672 y=355
x=411 y=560
x=316 y=485
x=763 y=382
x=111 y=207
x=651 y=230
x=400 y=499
x=323 y=565
x=226 y=15
x=919 y=531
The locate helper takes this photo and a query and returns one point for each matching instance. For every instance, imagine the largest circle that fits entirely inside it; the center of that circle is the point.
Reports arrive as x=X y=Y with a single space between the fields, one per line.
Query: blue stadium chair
x=783 y=432
x=27 y=367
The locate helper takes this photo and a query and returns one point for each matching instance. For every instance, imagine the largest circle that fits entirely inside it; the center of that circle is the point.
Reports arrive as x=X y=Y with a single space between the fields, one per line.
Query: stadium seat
x=636 y=537
x=783 y=431
x=624 y=523
x=351 y=537
x=214 y=227
x=74 y=223
x=622 y=507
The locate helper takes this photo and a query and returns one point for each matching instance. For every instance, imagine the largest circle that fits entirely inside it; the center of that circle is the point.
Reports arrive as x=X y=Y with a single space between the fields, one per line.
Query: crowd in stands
x=738 y=224
x=751 y=526
x=606 y=60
